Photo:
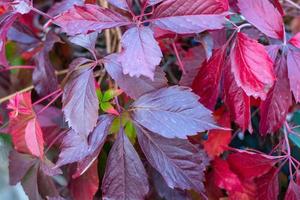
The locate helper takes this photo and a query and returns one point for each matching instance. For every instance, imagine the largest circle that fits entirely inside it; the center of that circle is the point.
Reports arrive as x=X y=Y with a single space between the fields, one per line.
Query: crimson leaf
x=141 y=52
x=178 y=161
x=80 y=102
x=133 y=87
x=264 y=16
x=192 y=17
x=89 y=18
x=252 y=67
x=274 y=109
x=125 y=176
x=164 y=110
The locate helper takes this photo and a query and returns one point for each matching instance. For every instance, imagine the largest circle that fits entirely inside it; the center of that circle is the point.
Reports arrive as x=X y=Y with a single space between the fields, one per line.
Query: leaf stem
x=47 y=96
x=16 y=67
x=178 y=57
x=293 y=4
x=20 y=91
x=52 y=101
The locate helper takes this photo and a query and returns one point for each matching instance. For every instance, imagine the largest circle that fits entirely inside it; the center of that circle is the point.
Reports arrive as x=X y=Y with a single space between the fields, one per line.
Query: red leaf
x=141 y=56
x=85 y=186
x=250 y=165
x=295 y=40
x=34 y=138
x=125 y=176
x=274 y=109
x=179 y=162
x=206 y=83
x=224 y=178
x=268 y=185
x=237 y=101
x=192 y=17
x=218 y=140
x=293 y=191
x=264 y=16
x=293 y=64
x=192 y=62
x=251 y=66
x=89 y=18
x=26 y=132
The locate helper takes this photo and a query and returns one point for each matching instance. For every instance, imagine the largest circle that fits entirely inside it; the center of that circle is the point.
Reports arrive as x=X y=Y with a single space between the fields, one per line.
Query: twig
x=12 y=95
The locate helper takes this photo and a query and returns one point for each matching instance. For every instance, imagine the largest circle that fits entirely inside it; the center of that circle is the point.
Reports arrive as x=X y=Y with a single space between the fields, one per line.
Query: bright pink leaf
x=192 y=17
x=141 y=52
x=89 y=18
x=206 y=83
x=264 y=16
x=34 y=138
x=295 y=40
x=274 y=109
x=251 y=66
x=293 y=65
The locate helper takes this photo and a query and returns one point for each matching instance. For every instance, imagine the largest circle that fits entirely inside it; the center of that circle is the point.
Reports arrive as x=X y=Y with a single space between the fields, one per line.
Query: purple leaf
x=62 y=6
x=89 y=18
x=125 y=176
x=44 y=72
x=80 y=102
x=87 y=41
x=164 y=110
x=6 y=21
x=22 y=7
x=29 y=184
x=141 y=52
x=120 y=3
x=76 y=147
x=132 y=86
x=293 y=64
x=179 y=162
x=264 y=16
x=192 y=17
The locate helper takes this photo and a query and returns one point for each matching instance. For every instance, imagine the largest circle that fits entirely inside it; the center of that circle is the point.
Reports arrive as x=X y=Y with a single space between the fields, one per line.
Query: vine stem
x=12 y=95
x=293 y=4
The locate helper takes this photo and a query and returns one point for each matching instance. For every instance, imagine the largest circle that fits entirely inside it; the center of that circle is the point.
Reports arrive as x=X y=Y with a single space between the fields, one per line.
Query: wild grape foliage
x=156 y=101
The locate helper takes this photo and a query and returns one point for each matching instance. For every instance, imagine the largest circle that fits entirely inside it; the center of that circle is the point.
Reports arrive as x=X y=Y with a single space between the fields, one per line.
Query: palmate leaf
x=179 y=162
x=141 y=52
x=125 y=177
x=89 y=18
x=133 y=86
x=293 y=65
x=193 y=16
x=164 y=110
x=80 y=102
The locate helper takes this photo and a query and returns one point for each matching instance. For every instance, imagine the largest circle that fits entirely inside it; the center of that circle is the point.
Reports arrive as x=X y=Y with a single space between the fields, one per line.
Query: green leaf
x=110 y=94
x=130 y=131
x=99 y=94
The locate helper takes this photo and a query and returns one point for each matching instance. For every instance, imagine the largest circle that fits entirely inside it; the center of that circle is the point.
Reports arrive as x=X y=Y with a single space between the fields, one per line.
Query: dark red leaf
x=192 y=62
x=89 y=18
x=85 y=186
x=249 y=165
x=192 y=17
x=237 y=101
x=274 y=109
x=224 y=178
x=133 y=86
x=164 y=110
x=81 y=108
x=251 y=66
x=125 y=176
x=293 y=65
x=62 y=6
x=178 y=161
x=268 y=186
x=141 y=52
x=206 y=83
x=264 y=16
